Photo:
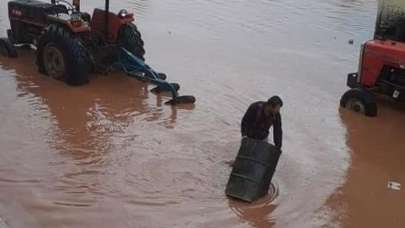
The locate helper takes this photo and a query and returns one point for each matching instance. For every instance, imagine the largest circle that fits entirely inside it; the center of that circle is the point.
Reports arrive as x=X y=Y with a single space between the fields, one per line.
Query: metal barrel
x=253 y=170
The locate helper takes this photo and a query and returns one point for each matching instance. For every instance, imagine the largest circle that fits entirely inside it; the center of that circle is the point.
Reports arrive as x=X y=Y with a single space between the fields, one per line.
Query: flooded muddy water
x=110 y=154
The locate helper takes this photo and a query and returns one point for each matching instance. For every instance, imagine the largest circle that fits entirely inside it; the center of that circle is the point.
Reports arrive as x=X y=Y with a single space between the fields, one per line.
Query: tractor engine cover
x=29 y=17
x=377 y=55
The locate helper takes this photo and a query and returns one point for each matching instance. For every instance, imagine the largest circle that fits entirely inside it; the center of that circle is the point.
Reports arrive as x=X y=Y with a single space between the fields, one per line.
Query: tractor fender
x=115 y=23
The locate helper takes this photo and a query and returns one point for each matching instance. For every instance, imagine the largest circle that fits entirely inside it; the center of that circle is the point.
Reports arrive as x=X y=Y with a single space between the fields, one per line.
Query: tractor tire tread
x=76 y=58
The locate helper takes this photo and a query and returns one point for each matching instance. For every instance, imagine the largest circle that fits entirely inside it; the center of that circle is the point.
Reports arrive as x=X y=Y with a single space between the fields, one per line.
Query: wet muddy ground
x=110 y=154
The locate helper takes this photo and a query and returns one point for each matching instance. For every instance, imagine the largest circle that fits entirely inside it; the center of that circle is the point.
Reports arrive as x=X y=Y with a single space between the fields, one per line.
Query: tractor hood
x=391 y=20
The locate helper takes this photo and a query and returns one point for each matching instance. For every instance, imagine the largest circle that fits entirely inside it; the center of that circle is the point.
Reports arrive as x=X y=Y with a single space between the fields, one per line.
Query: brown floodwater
x=377 y=149
x=110 y=154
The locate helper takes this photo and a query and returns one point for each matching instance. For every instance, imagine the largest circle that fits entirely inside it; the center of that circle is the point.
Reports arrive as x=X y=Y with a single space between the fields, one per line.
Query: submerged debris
x=394 y=185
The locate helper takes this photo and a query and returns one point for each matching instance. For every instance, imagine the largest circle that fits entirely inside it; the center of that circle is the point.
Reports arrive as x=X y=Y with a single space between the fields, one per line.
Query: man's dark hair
x=275 y=101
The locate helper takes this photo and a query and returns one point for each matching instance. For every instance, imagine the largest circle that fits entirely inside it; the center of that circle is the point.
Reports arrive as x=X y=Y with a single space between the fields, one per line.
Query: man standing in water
x=256 y=123
x=262 y=115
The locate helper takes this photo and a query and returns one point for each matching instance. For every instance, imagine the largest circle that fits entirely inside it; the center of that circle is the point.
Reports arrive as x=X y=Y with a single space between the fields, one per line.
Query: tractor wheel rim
x=54 y=62
x=356 y=106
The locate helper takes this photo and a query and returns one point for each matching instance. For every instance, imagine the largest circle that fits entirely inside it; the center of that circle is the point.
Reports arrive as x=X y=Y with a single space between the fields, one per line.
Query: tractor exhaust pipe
x=107 y=11
x=76 y=4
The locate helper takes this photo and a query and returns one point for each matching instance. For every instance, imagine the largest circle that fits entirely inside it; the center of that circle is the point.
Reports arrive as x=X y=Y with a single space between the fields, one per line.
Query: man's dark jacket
x=256 y=125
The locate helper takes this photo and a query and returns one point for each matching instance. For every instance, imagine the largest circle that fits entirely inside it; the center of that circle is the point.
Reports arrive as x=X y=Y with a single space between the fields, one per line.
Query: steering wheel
x=71 y=8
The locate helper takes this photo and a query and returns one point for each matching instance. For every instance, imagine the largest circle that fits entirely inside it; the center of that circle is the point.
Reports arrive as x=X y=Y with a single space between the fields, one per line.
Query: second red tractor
x=382 y=62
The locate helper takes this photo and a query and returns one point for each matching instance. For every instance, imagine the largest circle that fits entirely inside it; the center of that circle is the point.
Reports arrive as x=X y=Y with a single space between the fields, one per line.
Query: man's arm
x=278 y=131
x=248 y=119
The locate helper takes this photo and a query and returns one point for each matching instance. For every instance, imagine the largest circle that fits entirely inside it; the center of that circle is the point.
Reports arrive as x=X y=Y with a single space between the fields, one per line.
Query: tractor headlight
x=123 y=13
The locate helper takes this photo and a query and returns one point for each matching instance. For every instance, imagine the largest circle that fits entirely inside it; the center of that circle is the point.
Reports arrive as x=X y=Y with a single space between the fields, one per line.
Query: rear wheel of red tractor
x=130 y=38
x=62 y=56
x=359 y=100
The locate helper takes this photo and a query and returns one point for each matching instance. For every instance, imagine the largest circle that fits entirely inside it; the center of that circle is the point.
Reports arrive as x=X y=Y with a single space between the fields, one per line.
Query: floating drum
x=253 y=170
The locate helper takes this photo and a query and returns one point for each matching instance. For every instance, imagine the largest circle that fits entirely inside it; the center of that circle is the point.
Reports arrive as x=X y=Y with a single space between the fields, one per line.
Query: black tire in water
x=62 y=56
x=130 y=38
x=360 y=100
x=7 y=48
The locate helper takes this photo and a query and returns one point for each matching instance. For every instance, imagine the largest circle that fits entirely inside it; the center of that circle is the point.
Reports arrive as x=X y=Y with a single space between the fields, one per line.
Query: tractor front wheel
x=62 y=56
x=359 y=100
x=130 y=38
x=7 y=48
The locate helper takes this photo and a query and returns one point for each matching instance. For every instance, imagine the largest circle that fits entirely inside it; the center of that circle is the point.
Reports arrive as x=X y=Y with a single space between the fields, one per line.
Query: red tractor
x=70 y=44
x=382 y=62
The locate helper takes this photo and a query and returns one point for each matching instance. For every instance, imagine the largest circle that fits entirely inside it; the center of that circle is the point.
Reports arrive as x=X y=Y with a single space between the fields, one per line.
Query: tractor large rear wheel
x=62 y=56
x=130 y=38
